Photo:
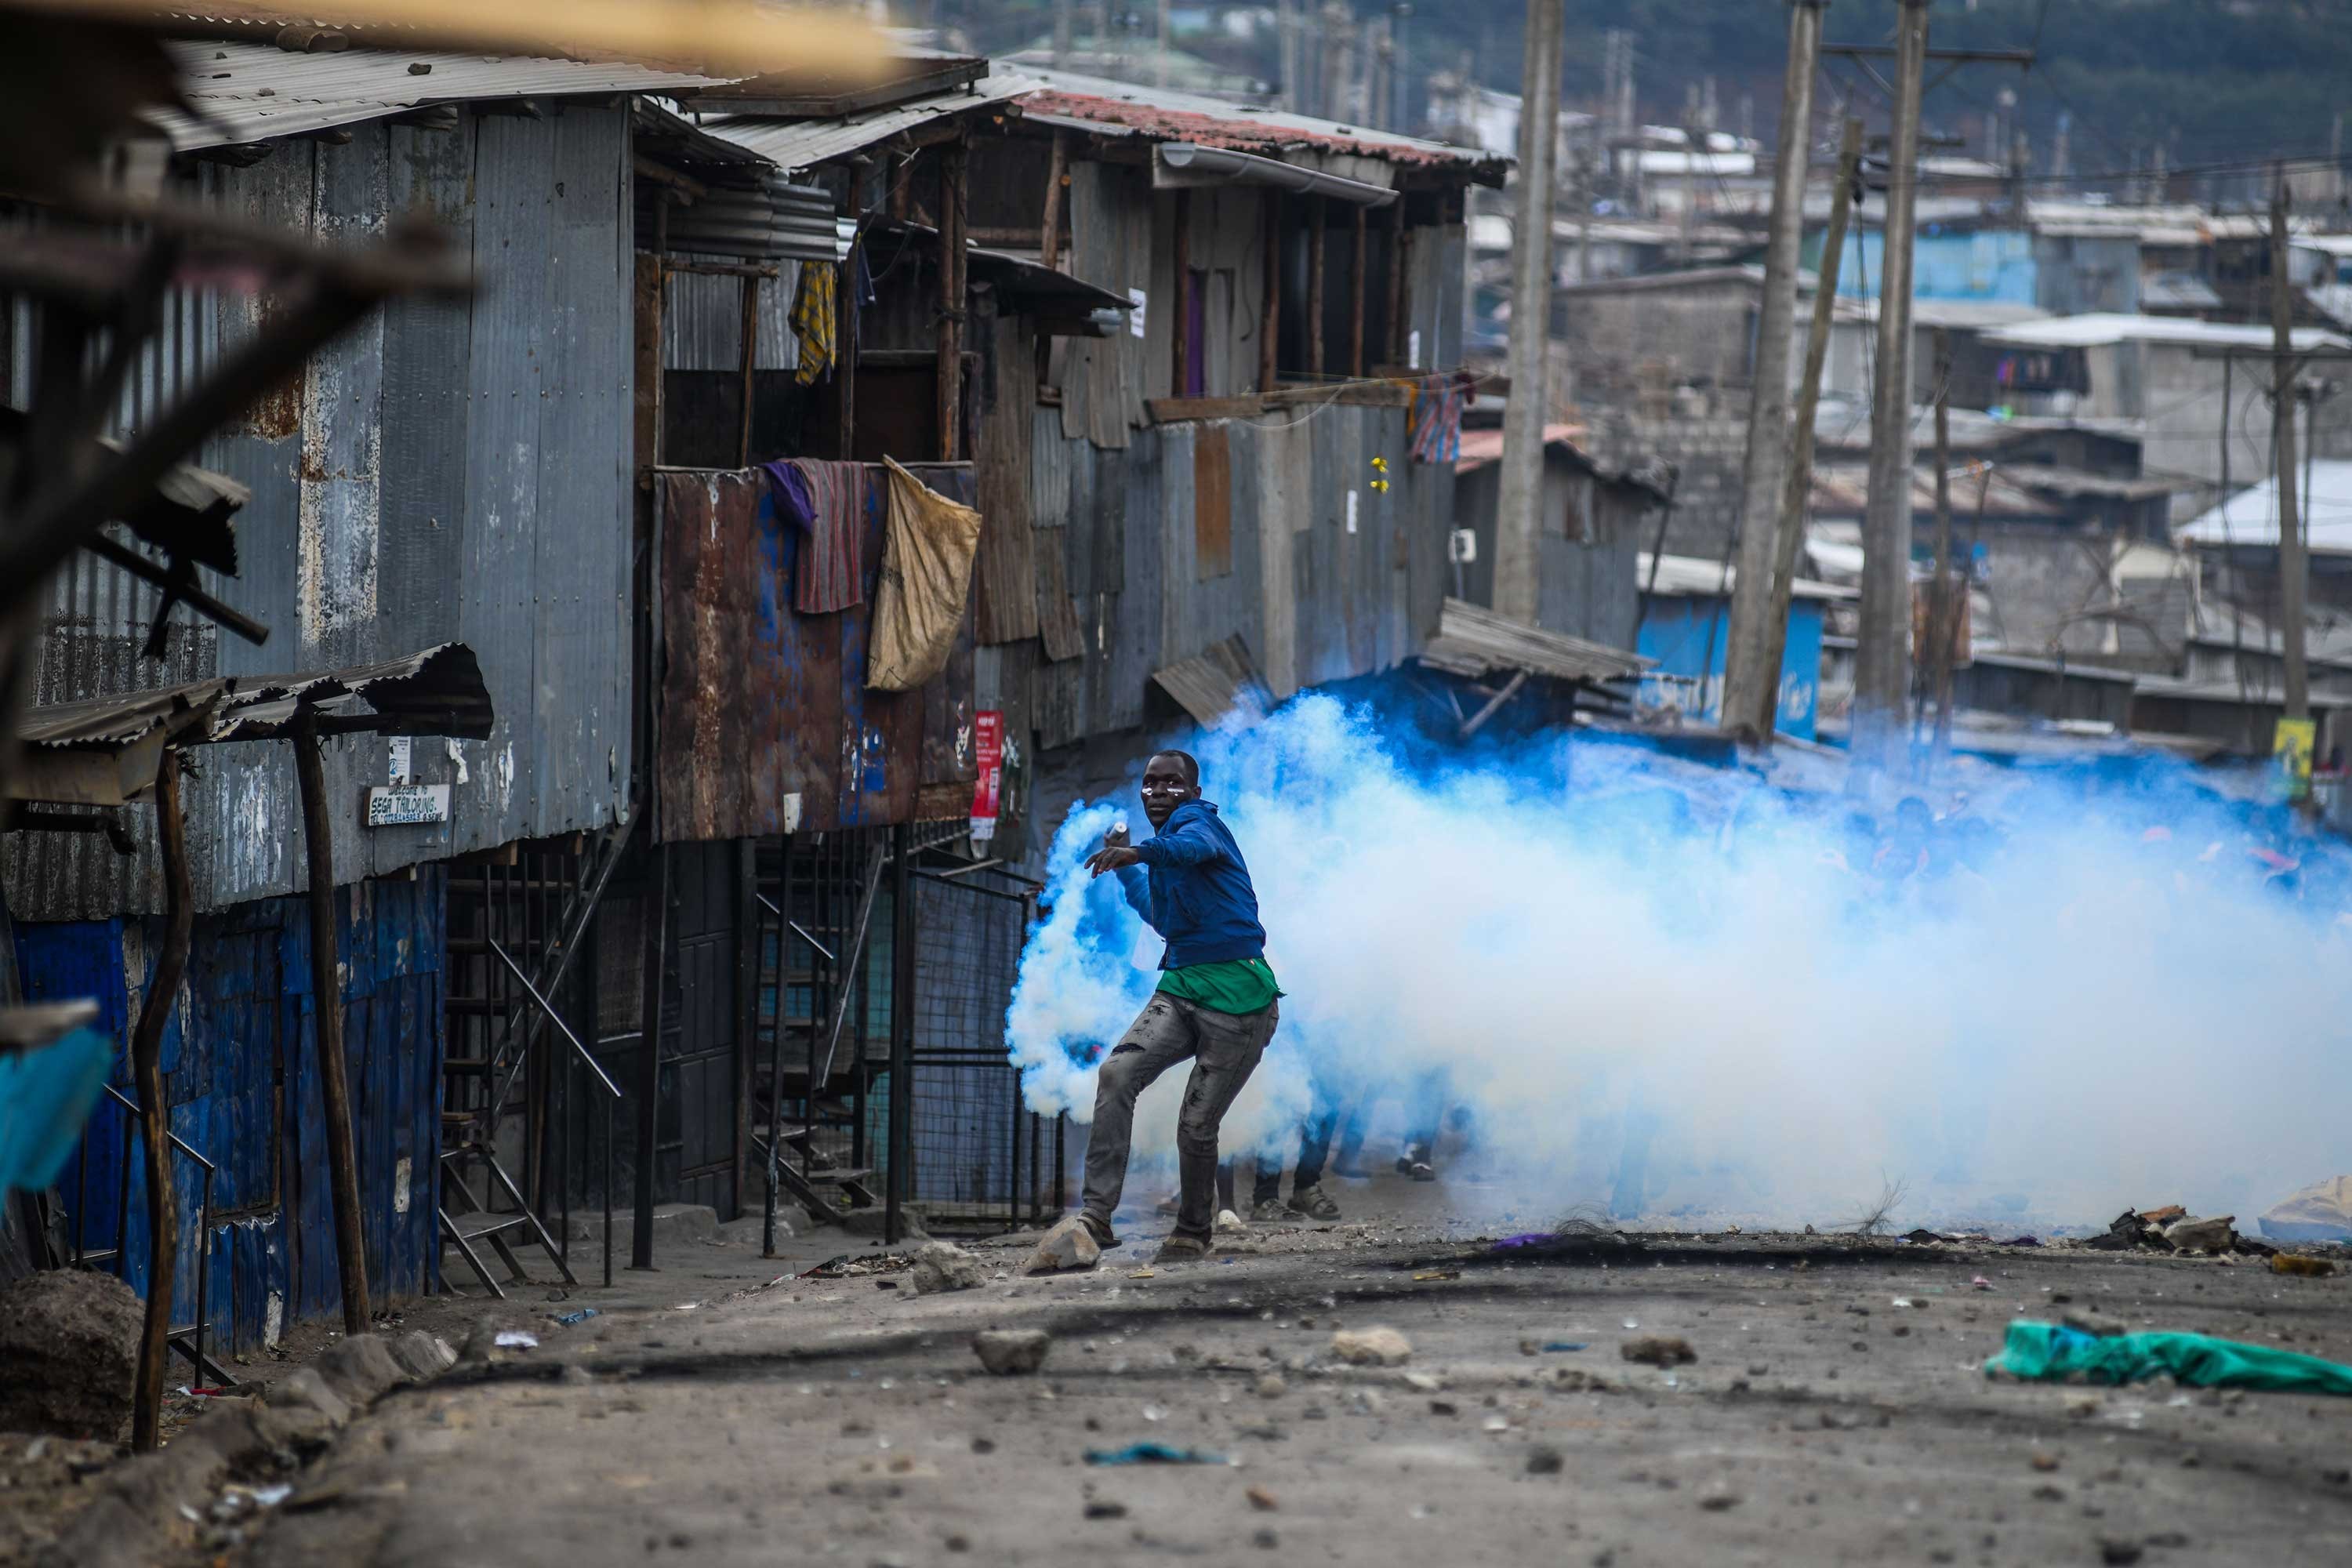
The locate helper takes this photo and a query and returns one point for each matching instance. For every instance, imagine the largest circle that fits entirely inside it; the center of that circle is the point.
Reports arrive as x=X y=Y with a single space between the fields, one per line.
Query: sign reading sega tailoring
x=396 y=804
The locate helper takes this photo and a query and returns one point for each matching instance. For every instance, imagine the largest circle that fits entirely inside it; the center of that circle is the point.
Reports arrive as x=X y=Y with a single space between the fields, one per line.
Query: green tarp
x=2045 y=1351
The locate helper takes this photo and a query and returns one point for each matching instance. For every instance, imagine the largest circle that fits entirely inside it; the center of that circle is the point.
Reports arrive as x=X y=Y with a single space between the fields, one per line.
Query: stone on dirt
x=69 y=1351
x=1545 y=1461
x=304 y=1389
x=359 y=1367
x=1371 y=1347
x=944 y=1265
x=1658 y=1350
x=2218 y=1235
x=1009 y=1352
x=1068 y=1244
x=422 y=1356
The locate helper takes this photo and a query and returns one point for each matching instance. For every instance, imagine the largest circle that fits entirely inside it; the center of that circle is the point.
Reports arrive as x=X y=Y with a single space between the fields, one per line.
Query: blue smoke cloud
x=1673 y=990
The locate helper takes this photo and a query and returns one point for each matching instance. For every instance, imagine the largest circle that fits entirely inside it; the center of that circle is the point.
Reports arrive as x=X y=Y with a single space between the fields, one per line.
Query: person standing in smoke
x=1215 y=1006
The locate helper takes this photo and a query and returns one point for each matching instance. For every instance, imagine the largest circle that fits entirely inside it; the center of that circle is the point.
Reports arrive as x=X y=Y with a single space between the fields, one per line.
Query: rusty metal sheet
x=1212 y=497
x=1004 y=599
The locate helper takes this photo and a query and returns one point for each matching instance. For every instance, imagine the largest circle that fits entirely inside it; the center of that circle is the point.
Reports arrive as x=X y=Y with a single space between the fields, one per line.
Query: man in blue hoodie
x=1215 y=1004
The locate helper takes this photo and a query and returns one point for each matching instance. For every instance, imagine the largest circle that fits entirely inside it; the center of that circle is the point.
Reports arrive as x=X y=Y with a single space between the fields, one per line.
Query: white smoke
x=1675 y=990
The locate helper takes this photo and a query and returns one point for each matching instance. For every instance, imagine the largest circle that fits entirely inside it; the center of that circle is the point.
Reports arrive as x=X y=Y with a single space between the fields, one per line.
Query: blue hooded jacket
x=1197 y=893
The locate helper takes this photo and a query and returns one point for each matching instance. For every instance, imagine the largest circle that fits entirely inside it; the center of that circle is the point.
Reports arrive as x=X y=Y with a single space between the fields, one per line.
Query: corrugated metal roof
x=2101 y=328
x=1213 y=684
x=1117 y=108
x=1472 y=641
x=1688 y=577
x=251 y=92
x=795 y=145
x=2251 y=517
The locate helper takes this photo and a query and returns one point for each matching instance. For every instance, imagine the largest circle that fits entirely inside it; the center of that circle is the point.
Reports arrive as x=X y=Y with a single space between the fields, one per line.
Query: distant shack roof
x=1689 y=577
x=1482 y=447
x=1472 y=641
x=1118 y=109
x=2250 y=518
x=251 y=93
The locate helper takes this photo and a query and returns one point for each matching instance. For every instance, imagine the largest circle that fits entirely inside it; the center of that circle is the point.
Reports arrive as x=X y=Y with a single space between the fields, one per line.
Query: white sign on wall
x=396 y=804
x=402 y=771
x=1135 y=299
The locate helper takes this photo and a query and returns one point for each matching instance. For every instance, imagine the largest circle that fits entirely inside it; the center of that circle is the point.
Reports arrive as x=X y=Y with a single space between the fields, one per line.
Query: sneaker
x=1312 y=1203
x=1101 y=1230
x=1166 y=1208
x=1180 y=1249
x=1422 y=1171
x=1269 y=1211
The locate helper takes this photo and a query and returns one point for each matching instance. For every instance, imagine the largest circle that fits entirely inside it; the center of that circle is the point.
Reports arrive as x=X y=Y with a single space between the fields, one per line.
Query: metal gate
x=975 y=1158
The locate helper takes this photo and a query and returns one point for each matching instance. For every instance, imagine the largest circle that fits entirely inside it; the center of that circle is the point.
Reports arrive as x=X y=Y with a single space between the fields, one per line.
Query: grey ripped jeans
x=1225 y=1048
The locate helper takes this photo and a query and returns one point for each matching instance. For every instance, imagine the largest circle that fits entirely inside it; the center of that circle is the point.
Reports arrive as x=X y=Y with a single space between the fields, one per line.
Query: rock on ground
x=1006 y=1351
x=1658 y=1350
x=68 y=1353
x=1068 y=1244
x=1371 y=1347
x=944 y=1265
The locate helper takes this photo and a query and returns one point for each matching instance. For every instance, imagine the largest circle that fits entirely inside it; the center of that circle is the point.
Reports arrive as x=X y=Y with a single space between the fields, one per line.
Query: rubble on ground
x=2320 y=1211
x=943 y=1265
x=1068 y=1244
x=2172 y=1228
x=68 y=1354
x=1371 y=1347
x=1008 y=1353
x=1658 y=1350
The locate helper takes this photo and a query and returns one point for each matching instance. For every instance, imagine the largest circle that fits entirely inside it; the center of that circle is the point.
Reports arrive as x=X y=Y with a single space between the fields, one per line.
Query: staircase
x=516 y=919
x=819 y=910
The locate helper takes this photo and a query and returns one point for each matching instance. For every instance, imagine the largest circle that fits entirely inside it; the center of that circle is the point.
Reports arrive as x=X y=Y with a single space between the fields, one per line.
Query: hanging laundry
x=814 y=320
x=925 y=586
x=826 y=503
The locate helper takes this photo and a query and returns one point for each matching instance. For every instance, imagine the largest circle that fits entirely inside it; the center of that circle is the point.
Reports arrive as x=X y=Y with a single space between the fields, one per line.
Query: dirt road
x=1820 y=1423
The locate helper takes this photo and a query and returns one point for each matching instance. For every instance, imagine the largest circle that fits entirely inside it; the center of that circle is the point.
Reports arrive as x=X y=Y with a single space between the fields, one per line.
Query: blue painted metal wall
x=1686 y=636
x=1982 y=264
x=241 y=1071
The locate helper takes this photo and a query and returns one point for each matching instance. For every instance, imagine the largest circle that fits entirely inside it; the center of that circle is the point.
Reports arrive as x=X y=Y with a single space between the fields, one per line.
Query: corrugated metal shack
x=444 y=473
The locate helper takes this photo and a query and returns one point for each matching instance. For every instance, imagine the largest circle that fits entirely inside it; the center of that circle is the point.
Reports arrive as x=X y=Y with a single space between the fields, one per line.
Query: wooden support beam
x=653 y=957
x=1049 y=249
x=1180 y=366
x=154 y=1107
x=845 y=328
x=686 y=185
x=954 y=186
x=1400 y=253
x=1355 y=302
x=1269 y=320
x=326 y=1020
x=751 y=358
x=1314 y=231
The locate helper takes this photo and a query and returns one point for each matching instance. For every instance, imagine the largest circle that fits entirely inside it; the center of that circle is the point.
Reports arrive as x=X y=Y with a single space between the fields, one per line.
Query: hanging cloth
x=826 y=503
x=926 y=579
x=814 y=320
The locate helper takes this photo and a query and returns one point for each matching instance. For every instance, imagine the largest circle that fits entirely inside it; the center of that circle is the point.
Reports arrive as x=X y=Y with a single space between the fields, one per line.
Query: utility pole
x=1060 y=34
x=1883 y=654
x=1796 y=490
x=1519 y=521
x=1403 y=117
x=1942 y=608
x=2295 y=676
x=1744 y=670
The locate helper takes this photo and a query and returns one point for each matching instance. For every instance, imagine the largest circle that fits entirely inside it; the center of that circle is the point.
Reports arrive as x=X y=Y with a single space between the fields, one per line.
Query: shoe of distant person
x=1312 y=1204
x=1180 y=1249
x=1269 y=1211
x=1166 y=1208
x=1415 y=1163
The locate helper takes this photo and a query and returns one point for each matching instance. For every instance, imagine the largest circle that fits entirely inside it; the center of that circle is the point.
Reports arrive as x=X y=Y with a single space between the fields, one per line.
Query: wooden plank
x=1212 y=491
x=1366 y=394
x=1004 y=576
x=1175 y=410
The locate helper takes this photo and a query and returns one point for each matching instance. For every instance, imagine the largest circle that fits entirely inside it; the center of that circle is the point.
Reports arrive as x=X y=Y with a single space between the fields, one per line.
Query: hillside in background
x=2217 y=85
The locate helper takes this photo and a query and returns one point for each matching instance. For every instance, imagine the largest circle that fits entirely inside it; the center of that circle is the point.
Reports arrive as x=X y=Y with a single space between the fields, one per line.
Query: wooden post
x=327 y=1018
x=154 y=1111
x=654 y=923
x=1356 y=303
x=2294 y=678
x=1400 y=251
x=1269 y=319
x=1943 y=609
x=1180 y=383
x=1049 y=240
x=894 y=1184
x=954 y=164
x=1315 y=228
x=750 y=357
x=845 y=328
x=1797 y=489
